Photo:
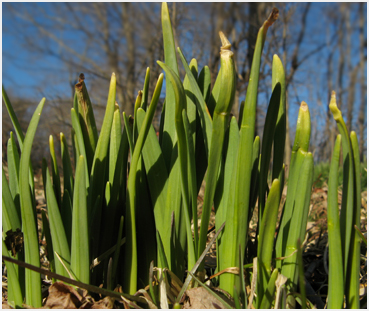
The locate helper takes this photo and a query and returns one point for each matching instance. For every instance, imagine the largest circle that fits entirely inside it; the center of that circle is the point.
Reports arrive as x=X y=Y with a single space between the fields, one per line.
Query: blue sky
x=23 y=72
x=27 y=71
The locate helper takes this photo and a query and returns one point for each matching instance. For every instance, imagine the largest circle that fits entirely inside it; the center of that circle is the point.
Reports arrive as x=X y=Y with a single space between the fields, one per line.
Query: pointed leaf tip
x=271 y=19
x=304 y=106
x=273 y=16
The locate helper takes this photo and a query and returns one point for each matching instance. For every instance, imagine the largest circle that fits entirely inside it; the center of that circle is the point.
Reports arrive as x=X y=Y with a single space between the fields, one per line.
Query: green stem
x=335 y=276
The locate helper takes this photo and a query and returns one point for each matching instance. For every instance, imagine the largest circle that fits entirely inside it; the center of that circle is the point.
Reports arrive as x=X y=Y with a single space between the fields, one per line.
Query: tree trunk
x=362 y=111
x=351 y=97
x=287 y=147
x=330 y=130
x=129 y=89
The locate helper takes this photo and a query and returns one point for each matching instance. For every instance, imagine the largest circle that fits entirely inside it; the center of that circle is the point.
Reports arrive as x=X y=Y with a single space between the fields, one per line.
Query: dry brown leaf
x=5 y=305
x=106 y=303
x=62 y=296
x=200 y=298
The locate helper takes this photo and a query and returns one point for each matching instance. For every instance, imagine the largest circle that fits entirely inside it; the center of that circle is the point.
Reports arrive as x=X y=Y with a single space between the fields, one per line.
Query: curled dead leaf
x=200 y=298
x=63 y=296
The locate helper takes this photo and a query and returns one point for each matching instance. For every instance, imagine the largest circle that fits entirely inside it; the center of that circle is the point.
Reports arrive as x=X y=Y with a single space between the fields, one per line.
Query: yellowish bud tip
x=333 y=99
x=225 y=42
x=304 y=106
x=333 y=107
x=225 y=49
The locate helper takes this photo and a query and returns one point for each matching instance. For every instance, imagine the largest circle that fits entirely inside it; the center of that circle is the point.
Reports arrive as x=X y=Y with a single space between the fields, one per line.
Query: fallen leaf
x=62 y=296
x=200 y=298
x=106 y=303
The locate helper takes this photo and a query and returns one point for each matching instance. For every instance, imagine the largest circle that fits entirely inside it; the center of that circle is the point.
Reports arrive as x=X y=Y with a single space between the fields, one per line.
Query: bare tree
x=99 y=38
x=363 y=84
x=112 y=36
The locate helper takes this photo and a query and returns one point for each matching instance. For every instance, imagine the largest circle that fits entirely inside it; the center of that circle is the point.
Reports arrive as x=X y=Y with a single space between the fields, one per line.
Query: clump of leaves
x=130 y=202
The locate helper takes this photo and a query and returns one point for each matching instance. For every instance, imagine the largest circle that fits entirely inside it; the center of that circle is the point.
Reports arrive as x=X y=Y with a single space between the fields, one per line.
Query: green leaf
x=266 y=148
x=335 y=277
x=59 y=238
x=79 y=144
x=66 y=214
x=11 y=218
x=67 y=167
x=268 y=296
x=220 y=125
x=240 y=197
x=130 y=264
x=178 y=174
x=301 y=275
x=31 y=247
x=114 y=146
x=80 y=251
x=13 y=169
x=98 y=172
x=191 y=99
x=266 y=240
x=254 y=188
x=15 y=297
x=302 y=138
x=303 y=129
x=119 y=181
x=168 y=138
x=137 y=105
x=204 y=82
x=145 y=224
x=348 y=192
x=76 y=152
x=224 y=188
x=205 y=119
x=354 y=256
x=278 y=76
x=190 y=207
x=14 y=119
x=86 y=119
x=162 y=256
x=18 y=132
x=129 y=132
x=298 y=218
x=55 y=171
x=157 y=177
x=145 y=92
